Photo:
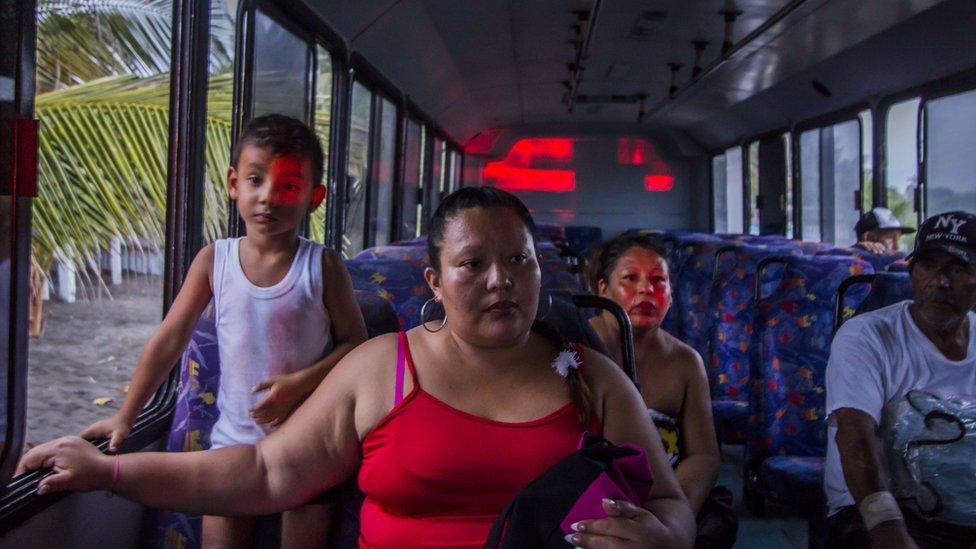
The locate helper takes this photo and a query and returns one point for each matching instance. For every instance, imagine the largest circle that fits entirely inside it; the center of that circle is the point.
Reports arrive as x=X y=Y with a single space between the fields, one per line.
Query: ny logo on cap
x=952 y=223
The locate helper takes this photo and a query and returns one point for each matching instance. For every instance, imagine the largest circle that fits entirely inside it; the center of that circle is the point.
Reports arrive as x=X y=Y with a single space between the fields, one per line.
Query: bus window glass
x=456 y=171
x=98 y=239
x=753 y=152
x=321 y=123
x=810 y=185
x=281 y=68
x=840 y=179
x=720 y=215
x=219 y=101
x=734 y=189
x=867 y=160
x=381 y=203
x=950 y=148
x=7 y=239
x=354 y=216
x=437 y=173
x=901 y=164
x=422 y=180
x=411 y=181
x=788 y=148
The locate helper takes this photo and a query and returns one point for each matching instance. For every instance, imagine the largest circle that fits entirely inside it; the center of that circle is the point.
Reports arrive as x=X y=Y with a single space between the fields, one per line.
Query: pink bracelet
x=115 y=471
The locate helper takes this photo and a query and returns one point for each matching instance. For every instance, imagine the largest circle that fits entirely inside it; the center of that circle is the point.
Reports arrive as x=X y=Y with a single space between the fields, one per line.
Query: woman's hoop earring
x=548 y=309
x=423 y=322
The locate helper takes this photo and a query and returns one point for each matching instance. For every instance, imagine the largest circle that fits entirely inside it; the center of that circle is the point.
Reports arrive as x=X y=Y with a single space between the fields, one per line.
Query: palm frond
x=102 y=167
x=83 y=40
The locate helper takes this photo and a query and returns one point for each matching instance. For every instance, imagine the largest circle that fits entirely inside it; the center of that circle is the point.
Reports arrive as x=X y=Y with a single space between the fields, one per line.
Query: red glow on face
x=533 y=164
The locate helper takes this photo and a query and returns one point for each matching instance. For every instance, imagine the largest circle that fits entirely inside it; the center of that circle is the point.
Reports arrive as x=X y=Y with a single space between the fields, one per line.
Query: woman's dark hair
x=283 y=135
x=463 y=199
x=605 y=257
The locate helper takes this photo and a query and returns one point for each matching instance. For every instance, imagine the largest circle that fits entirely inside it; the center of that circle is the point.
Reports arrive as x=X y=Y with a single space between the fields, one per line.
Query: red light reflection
x=532 y=165
x=545 y=164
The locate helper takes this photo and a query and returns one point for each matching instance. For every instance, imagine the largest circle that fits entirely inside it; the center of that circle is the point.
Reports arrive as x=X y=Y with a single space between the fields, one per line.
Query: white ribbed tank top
x=263 y=332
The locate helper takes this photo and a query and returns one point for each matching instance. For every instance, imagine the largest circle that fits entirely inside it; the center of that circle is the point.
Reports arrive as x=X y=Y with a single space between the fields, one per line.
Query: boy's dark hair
x=470 y=197
x=283 y=135
x=606 y=256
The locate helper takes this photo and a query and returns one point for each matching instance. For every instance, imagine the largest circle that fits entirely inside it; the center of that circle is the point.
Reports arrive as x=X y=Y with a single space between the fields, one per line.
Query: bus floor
x=775 y=529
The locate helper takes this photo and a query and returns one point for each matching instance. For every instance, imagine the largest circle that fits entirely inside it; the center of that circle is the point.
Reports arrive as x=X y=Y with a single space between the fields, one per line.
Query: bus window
x=281 y=62
x=840 y=178
x=219 y=101
x=810 y=185
x=381 y=199
x=412 y=167
x=788 y=148
x=901 y=164
x=867 y=160
x=437 y=170
x=950 y=149
x=720 y=213
x=734 y=190
x=98 y=242
x=456 y=161
x=321 y=123
x=422 y=180
x=837 y=157
x=353 y=228
x=753 y=151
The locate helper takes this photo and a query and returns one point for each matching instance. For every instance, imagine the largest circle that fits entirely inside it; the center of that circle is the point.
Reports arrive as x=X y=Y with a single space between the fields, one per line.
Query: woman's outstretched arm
x=315 y=449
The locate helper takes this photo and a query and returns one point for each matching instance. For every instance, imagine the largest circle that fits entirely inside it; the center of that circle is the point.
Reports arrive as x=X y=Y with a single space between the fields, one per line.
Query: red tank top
x=435 y=476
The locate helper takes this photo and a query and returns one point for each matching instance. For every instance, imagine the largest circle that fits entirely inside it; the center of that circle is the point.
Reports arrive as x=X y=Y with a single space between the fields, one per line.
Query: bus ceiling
x=717 y=70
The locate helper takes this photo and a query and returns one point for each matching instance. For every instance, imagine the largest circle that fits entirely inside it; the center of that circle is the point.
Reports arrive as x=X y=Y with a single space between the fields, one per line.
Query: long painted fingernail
x=576 y=527
x=608 y=501
x=572 y=539
x=42 y=489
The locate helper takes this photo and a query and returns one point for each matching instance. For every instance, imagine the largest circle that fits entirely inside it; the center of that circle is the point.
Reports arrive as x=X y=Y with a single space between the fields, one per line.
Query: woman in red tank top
x=446 y=422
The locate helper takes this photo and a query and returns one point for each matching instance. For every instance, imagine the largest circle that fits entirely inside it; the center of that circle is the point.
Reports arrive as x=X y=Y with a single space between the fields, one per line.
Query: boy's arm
x=162 y=350
x=285 y=392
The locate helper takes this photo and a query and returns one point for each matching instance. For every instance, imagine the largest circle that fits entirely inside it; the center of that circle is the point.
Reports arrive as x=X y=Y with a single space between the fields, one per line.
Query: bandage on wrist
x=879 y=507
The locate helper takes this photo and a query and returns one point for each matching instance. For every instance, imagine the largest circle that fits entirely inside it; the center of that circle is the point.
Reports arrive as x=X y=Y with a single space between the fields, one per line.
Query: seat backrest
x=795 y=322
x=582 y=239
x=887 y=288
x=879 y=262
x=415 y=255
x=378 y=313
x=694 y=298
x=733 y=293
x=399 y=282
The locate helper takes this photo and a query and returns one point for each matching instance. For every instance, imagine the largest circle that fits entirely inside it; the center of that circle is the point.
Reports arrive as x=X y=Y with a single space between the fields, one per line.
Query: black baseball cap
x=950 y=232
x=880 y=219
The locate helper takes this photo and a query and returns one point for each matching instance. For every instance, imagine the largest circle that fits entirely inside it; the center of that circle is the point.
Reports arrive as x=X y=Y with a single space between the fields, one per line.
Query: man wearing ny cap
x=927 y=343
x=878 y=232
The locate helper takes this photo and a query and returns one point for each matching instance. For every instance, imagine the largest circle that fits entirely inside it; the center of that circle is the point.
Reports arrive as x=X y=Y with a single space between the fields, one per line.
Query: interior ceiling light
x=647 y=24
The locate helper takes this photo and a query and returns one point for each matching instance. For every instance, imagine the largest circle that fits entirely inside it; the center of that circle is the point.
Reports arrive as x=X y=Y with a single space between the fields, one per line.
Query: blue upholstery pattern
x=193 y=420
x=399 y=282
x=732 y=335
x=879 y=262
x=787 y=398
x=887 y=288
x=415 y=255
x=794 y=479
x=378 y=313
x=581 y=239
x=694 y=295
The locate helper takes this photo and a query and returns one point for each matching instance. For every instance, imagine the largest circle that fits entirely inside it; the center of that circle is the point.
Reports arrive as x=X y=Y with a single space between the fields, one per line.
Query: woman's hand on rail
x=115 y=428
x=76 y=466
x=626 y=525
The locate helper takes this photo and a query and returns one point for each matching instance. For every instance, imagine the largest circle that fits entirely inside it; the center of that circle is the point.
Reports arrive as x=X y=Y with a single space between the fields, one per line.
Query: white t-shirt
x=877 y=358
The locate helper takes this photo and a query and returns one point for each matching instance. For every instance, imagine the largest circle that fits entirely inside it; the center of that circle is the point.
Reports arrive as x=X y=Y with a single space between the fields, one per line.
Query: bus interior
x=740 y=132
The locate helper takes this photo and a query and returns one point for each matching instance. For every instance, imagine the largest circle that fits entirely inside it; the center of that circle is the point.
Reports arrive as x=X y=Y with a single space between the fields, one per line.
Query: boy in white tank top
x=278 y=299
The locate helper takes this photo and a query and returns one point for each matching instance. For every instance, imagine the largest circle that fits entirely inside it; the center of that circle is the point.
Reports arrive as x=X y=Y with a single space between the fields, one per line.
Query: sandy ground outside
x=88 y=351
